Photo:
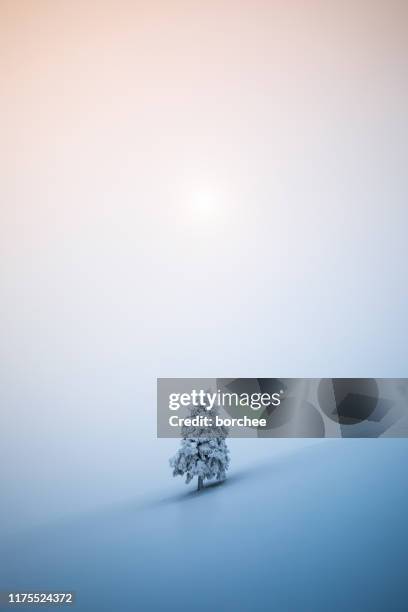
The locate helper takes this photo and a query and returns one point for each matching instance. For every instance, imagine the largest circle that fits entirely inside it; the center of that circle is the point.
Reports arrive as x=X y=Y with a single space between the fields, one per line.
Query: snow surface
x=323 y=527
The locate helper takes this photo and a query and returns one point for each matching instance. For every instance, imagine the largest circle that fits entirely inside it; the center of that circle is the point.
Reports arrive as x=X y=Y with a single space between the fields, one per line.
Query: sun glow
x=206 y=203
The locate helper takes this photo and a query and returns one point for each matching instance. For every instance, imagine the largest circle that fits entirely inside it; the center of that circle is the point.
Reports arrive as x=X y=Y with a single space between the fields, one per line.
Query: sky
x=196 y=189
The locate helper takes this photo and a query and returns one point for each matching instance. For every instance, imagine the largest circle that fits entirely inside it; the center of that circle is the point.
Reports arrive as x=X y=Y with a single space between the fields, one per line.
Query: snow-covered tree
x=203 y=451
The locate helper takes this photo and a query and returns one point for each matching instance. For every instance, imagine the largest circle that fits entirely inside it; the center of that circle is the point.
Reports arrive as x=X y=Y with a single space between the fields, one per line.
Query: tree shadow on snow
x=253 y=472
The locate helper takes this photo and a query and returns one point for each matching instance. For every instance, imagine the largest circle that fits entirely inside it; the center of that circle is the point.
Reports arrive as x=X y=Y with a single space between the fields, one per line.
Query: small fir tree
x=203 y=451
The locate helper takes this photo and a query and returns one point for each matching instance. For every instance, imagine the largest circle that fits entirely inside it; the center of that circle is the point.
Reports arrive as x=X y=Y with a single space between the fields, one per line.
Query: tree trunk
x=200 y=483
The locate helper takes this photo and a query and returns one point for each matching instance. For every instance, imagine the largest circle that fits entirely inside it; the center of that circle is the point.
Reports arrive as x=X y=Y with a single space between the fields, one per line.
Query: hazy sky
x=189 y=189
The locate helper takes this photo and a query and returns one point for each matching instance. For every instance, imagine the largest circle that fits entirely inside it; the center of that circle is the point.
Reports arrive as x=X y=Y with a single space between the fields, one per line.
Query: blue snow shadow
x=321 y=529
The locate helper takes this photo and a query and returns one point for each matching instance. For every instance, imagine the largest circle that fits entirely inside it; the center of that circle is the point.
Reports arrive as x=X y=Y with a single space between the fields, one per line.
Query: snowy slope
x=321 y=528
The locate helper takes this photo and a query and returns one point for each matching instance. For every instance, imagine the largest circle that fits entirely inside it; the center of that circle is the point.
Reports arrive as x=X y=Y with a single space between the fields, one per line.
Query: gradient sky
x=189 y=189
